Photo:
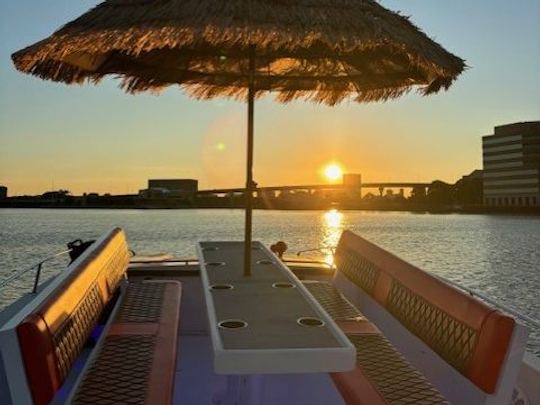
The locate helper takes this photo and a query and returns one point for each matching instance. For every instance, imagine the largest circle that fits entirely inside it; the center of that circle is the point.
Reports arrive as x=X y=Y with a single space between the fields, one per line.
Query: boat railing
x=195 y=262
x=471 y=292
x=38 y=267
x=317 y=249
x=180 y=261
x=321 y=249
x=497 y=304
x=308 y=261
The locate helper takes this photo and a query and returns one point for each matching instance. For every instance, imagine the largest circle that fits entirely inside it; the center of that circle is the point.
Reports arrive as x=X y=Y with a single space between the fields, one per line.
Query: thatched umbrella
x=320 y=50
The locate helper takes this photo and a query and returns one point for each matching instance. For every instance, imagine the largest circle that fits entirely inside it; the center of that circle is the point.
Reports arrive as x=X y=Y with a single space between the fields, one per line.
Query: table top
x=267 y=322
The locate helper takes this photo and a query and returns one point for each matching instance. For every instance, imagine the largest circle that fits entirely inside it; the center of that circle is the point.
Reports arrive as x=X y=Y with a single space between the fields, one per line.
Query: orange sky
x=97 y=139
x=293 y=144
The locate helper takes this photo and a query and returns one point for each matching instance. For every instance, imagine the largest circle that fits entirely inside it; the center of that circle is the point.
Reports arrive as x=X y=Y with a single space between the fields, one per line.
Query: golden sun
x=333 y=172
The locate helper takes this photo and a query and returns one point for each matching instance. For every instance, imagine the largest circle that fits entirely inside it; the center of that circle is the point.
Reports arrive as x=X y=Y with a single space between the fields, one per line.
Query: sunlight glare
x=333 y=172
x=332 y=228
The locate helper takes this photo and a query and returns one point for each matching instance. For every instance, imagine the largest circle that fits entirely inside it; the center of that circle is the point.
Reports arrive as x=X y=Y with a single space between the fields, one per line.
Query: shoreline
x=471 y=210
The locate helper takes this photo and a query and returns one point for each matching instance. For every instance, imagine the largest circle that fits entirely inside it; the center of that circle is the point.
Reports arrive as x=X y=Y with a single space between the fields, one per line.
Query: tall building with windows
x=512 y=165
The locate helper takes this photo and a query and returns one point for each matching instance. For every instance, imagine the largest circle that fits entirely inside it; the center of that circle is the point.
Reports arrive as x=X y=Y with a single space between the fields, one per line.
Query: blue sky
x=95 y=138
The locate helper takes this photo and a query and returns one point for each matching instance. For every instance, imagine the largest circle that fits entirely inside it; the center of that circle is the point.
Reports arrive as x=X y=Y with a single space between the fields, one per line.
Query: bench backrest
x=468 y=334
x=53 y=335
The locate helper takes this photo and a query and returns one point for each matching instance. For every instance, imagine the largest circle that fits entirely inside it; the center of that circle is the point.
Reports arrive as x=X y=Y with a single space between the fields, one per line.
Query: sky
x=98 y=139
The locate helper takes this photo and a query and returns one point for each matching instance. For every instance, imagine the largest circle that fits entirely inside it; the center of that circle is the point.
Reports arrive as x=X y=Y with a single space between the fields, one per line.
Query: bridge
x=313 y=187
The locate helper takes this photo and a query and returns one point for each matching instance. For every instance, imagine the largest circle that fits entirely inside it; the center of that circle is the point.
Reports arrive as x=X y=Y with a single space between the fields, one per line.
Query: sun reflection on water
x=332 y=226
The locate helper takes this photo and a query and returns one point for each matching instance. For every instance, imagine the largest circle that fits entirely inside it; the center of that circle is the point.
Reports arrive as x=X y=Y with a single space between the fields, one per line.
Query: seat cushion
x=135 y=362
x=382 y=375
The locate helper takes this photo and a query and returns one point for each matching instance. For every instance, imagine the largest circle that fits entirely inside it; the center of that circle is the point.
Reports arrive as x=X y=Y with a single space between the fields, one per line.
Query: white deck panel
x=273 y=341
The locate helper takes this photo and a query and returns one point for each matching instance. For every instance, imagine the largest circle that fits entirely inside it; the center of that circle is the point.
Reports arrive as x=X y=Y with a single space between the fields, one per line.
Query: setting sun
x=333 y=172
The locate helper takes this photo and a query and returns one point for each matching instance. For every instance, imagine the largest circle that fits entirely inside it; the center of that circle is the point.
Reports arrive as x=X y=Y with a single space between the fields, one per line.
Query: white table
x=267 y=323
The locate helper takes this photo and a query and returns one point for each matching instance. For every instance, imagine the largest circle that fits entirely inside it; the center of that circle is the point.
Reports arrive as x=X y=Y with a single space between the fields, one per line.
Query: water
x=496 y=255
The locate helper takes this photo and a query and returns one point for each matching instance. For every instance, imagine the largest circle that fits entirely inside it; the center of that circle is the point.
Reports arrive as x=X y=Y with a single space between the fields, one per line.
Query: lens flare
x=220 y=146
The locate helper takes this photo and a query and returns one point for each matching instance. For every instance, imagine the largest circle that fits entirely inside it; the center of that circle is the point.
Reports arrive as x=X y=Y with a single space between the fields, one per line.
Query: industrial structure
x=311 y=188
x=170 y=188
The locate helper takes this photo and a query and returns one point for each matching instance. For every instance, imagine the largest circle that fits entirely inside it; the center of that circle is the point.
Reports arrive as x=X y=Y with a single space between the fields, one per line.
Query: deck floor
x=195 y=380
x=196 y=383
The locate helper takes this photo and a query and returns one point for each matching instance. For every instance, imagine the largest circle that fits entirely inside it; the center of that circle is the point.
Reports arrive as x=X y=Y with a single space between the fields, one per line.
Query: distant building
x=512 y=165
x=267 y=194
x=59 y=196
x=352 y=180
x=352 y=184
x=3 y=192
x=174 y=184
x=474 y=175
x=170 y=188
x=469 y=189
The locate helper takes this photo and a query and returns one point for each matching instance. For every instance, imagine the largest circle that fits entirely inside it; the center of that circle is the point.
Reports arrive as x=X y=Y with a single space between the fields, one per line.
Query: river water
x=498 y=256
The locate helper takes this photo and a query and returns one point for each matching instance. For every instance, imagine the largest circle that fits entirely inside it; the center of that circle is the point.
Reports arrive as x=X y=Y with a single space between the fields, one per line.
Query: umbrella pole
x=249 y=167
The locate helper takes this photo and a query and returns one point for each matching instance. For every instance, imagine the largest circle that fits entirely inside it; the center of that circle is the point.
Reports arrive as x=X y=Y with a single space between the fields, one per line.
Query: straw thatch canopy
x=322 y=50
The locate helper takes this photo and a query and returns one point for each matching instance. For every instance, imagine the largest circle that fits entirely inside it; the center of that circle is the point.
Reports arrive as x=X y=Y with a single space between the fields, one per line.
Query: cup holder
x=283 y=285
x=310 y=322
x=214 y=264
x=221 y=287
x=233 y=324
x=210 y=248
x=265 y=262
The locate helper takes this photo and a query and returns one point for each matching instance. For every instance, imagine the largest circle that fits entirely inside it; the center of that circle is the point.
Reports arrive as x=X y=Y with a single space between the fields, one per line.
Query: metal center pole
x=250 y=185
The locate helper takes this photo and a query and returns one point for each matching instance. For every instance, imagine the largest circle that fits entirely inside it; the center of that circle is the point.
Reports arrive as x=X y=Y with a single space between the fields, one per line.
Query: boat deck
x=196 y=382
x=384 y=370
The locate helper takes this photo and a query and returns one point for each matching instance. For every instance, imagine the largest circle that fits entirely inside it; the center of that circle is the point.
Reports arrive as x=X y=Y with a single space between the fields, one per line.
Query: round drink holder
x=214 y=264
x=265 y=262
x=283 y=285
x=232 y=324
x=310 y=322
x=220 y=287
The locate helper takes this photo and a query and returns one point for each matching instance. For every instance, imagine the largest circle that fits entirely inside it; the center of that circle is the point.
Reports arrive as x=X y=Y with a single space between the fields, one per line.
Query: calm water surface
x=496 y=255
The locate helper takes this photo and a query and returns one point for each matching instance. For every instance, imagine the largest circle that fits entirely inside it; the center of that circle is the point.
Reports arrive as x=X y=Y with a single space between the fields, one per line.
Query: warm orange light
x=333 y=172
x=332 y=228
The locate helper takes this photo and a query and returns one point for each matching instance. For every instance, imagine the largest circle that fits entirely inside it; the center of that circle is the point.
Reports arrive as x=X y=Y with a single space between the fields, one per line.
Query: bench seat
x=49 y=350
x=333 y=302
x=470 y=351
x=135 y=360
x=382 y=375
